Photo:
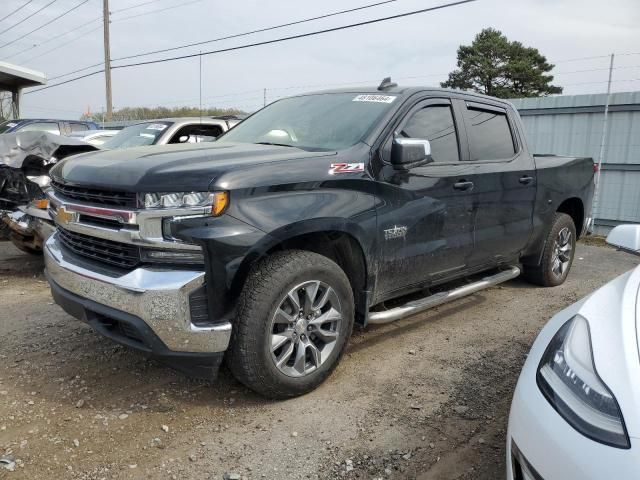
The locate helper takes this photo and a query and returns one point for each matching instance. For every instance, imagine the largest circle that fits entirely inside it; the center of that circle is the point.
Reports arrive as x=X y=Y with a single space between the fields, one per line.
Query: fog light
x=192 y=257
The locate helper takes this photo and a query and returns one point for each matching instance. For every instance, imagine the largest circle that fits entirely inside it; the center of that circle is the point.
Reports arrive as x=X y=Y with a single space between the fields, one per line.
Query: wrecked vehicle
x=318 y=211
x=57 y=127
x=25 y=161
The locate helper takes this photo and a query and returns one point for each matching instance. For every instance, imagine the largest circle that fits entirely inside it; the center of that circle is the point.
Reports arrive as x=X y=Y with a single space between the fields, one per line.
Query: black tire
x=250 y=354
x=546 y=274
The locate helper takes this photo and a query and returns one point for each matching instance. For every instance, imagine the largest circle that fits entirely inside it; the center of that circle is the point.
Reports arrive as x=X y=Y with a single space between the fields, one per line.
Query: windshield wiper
x=276 y=144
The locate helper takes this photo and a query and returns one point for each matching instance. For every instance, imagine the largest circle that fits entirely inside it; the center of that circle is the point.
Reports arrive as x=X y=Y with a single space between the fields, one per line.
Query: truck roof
x=406 y=91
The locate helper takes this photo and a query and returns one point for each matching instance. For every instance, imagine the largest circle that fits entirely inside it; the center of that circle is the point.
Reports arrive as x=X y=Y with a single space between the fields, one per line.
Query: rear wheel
x=294 y=320
x=558 y=254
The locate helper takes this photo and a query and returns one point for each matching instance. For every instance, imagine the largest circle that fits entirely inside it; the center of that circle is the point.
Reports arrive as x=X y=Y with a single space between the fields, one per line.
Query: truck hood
x=170 y=168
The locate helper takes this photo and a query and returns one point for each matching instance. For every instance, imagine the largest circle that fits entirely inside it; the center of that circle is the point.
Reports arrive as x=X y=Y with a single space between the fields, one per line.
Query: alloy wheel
x=562 y=253
x=305 y=328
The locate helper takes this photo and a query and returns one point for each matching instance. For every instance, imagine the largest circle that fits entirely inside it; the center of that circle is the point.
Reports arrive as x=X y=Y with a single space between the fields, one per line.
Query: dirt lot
x=424 y=398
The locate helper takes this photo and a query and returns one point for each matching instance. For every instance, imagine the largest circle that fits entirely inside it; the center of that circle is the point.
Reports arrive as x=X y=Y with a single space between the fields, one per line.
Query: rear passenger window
x=435 y=123
x=489 y=134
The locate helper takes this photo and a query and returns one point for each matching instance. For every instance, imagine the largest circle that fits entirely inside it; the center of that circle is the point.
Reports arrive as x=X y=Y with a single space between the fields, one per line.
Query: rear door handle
x=463 y=185
x=525 y=180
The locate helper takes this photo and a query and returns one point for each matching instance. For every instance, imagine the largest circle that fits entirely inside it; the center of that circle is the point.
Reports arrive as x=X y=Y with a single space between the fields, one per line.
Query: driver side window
x=435 y=123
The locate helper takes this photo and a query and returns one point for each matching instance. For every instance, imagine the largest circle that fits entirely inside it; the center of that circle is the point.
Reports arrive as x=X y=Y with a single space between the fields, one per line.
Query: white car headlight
x=568 y=379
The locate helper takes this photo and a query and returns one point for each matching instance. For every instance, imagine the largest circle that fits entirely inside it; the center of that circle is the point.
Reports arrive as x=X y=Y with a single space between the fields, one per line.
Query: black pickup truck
x=318 y=211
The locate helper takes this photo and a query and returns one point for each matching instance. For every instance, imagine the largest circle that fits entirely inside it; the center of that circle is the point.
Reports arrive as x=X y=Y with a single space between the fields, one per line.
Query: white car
x=576 y=408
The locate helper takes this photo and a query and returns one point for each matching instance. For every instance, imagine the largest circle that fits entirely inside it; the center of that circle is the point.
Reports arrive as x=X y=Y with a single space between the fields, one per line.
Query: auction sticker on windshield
x=157 y=126
x=375 y=98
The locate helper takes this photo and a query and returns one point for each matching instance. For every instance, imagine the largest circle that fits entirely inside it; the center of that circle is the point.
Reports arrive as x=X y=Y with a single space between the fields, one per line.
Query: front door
x=424 y=218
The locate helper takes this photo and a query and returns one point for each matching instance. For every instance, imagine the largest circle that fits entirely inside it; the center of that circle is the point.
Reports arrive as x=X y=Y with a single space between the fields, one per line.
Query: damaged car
x=25 y=161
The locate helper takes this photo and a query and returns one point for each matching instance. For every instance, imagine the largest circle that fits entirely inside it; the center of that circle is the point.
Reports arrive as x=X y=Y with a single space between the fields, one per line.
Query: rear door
x=424 y=221
x=504 y=182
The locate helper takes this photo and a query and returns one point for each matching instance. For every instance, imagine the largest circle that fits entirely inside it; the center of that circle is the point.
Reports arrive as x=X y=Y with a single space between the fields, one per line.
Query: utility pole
x=264 y=98
x=603 y=141
x=107 y=58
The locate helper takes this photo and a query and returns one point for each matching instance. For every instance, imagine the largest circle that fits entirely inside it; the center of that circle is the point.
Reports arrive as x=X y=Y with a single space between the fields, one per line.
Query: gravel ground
x=424 y=398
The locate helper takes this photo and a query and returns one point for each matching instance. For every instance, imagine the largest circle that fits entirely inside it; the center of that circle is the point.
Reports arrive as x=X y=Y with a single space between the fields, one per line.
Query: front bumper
x=31 y=225
x=155 y=301
x=551 y=449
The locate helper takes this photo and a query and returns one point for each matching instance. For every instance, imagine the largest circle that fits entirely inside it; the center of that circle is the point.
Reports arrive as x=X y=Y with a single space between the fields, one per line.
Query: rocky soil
x=424 y=398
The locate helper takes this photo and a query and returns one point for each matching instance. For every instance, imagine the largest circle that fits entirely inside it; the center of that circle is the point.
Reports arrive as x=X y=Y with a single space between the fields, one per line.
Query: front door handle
x=525 y=180
x=463 y=185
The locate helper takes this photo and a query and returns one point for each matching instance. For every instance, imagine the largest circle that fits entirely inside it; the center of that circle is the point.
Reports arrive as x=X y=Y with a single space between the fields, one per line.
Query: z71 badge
x=346 y=168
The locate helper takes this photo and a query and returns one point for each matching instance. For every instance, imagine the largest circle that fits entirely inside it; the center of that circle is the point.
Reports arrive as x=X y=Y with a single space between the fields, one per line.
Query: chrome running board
x=417 y=306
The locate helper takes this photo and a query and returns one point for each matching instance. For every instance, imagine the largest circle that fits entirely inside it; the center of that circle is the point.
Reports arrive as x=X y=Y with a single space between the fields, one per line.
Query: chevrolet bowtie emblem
x=63 y=217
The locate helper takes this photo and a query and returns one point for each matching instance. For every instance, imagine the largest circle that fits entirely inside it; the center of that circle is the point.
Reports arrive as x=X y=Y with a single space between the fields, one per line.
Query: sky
x=415 y=50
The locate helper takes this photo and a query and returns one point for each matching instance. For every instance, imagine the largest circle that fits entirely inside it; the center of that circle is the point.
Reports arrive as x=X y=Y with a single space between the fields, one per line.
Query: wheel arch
x=573 y=207
x=335 y=239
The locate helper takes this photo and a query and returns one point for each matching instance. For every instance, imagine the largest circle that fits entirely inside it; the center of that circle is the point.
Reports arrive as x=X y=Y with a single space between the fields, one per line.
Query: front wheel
x=295 y=317
x=558 y=254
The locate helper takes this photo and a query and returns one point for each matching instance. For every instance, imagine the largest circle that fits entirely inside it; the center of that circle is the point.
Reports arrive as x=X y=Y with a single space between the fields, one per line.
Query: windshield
x=330 y=121
x=137 y=135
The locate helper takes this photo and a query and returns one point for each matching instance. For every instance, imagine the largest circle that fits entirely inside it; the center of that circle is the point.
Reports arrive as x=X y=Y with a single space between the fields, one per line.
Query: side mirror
x=625 y=237
x=410 y=152
x=183 y=139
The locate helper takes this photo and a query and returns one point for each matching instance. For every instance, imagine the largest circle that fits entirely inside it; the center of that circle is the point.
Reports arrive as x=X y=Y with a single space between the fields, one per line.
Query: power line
x=49 y=40
x=237 y=35
x=16 y=10
x=134 y=6
x=593 y=83
x=64 y=45
x=267 y=42
x=66 y=81
x=298 y=36
x=27 y=17
x=45 y=24
x=260 y=30
x=596 y=70
x=156 y=11
x=577 y=59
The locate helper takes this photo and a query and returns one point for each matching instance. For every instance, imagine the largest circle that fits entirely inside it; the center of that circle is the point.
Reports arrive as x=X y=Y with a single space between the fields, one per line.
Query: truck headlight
x=568 y=379
x=218 y=201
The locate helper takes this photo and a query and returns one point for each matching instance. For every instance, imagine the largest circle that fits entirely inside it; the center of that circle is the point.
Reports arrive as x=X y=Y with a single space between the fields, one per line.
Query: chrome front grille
x=96 y=196
x=120 y=254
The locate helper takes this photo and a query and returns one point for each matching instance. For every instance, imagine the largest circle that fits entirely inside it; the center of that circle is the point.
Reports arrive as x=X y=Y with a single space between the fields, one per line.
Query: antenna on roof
x=386 y=83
